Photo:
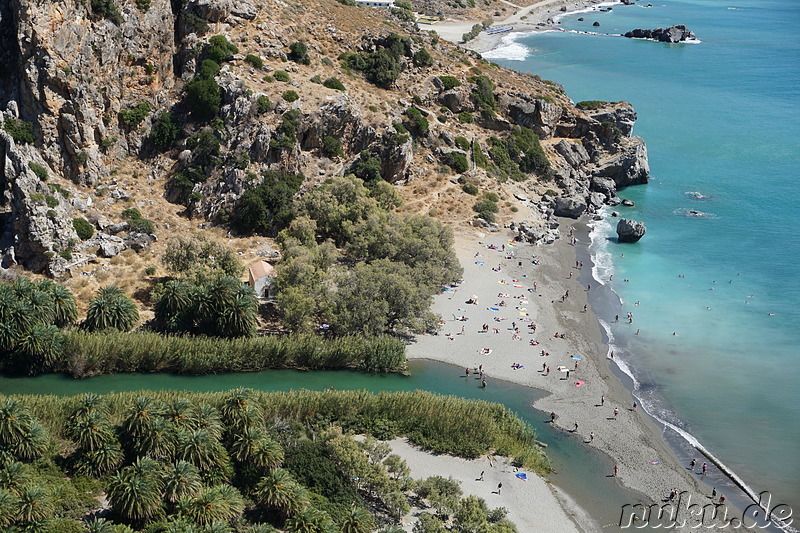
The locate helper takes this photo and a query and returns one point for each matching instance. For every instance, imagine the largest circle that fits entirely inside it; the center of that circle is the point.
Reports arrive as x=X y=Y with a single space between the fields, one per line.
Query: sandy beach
x=535 y=17
x=514 y=286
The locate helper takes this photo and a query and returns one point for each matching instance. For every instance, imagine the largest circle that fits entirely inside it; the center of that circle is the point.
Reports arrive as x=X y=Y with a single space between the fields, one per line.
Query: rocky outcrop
x=535 y=113
x=621 y=114
x=673 y=34
x=570 y=207
x=628 y=166
x=629 y=230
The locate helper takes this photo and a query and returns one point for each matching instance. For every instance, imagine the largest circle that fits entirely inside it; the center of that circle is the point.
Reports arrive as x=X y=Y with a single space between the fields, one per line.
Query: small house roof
x=259 y=269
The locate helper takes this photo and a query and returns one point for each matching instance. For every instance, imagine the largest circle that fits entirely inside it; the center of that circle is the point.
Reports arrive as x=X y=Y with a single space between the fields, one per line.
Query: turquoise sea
x=715 y=296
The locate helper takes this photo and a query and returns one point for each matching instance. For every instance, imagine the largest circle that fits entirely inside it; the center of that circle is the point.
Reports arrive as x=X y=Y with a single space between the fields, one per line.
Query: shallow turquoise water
x=720 y=118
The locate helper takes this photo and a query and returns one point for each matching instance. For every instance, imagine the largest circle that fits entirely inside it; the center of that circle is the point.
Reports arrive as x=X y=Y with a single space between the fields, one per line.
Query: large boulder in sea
x=630 y=230
x=673 y=34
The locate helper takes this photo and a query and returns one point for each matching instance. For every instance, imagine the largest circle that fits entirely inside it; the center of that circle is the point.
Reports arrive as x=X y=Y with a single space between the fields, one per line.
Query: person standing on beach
x=481 y=478
x=705 y=467
x=591 y=436
x=499 y=486
x=602 y=399
x=483 y=383
x=616 y=412
x=713 y=493
x=693 y=464
x=634 y=408
x=616 y=470
x=576 y=428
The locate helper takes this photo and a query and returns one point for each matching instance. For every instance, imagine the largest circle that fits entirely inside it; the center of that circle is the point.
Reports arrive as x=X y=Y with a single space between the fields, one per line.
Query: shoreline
x=647 y=464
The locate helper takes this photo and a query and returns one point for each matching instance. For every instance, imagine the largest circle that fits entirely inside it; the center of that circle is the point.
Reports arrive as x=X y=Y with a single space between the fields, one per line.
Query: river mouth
x=582 y=473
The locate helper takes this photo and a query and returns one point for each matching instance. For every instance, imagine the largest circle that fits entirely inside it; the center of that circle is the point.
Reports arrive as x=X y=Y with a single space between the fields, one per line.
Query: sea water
x=713 y=286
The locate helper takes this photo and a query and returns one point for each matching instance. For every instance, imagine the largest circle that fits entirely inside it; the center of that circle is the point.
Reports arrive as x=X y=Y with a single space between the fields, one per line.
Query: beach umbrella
x=522 y=475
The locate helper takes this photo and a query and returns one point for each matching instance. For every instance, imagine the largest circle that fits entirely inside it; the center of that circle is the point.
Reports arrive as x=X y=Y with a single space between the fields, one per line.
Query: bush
x=107 y=9
x=457 y=161
x=290 y=95
x=298 y=52
x=254 y=60
x=589 y=105
x=267 y=207
x=133 y=116
x=462 y=143
x=219 y=49
x=417 y=124
x=486 y=209
x=263 y=104
x=332 y=147
x=465 y=117
x=83 y=228
x=204 y=97
x=143 y=5
x=281 y=75
x=334 y=83
x=51 y=201
x=483 y=93
x=403 y=14
x=449 y=82
x=470 y=189
x=367 y=167
x=286 y=133
x=422 y=58
x=20 y=130
x=192 y=23
x=165 y=131
x=205 y=148
x=471 y=34
x=38 y=170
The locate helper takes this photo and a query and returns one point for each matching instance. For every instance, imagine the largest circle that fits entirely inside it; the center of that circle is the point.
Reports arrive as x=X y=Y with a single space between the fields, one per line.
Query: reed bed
x=89 y=354
x=441 y=424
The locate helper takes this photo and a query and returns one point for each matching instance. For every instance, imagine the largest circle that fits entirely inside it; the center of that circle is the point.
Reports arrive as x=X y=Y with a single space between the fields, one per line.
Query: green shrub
x=492 y=197
x=478 y=157
x=290 y=95
x=267 y=207
x=403 y=14
x=316 y=78
x=192 y=23
x=589 y=105
x=367 y=167
x=462 y=143
x=422 y=58
x=470 y=189
x=471 y=34
x=417 y=124
x=82 y=157
x=205 y=148
x=254 y=60
x=281 y=75
x=457 y=161
x=262 y=104
x=107 y=9
x=149 y=271
x=486 y=209
x=65 y=254
x=133 y=116
x=204 y=97
x=132 y=213
x=143 y=5
x=465 y=117
x=483 y=93
x=20 y=130
x=286 y=132
x=141 y=225
x=449 y=82
x=165 y=131
x=332 y=147
x=108 y=142
x=38 y=170
x=298 y=52
x=334 y=83
x=83 y=228
x=219 y=49
x=51 y=201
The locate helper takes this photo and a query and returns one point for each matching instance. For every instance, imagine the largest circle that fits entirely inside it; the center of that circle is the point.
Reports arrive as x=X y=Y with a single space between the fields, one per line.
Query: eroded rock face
x=570 y=207
x=673 y=34
x=630 y=230
x=535 y=113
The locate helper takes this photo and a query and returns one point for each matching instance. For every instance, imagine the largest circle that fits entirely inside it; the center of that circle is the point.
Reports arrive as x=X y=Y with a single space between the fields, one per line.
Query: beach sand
x=532 y=18
x=533 y=505
x=631 y=439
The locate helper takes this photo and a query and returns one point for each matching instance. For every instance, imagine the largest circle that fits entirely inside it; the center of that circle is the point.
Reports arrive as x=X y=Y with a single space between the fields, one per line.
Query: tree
x=15 y=422
x=199 y=259
x=8 y=507
x=111 y=309
x=165 y=131
x=212 y=504
x=357 y=520
x=276 y=490
x=34 y=504
x=367 y=167
x=204 y=97
x=135 y=491
x=219 y=49
x=181 y=480
x=298 y=52
x=310 y=520
x=267 y=207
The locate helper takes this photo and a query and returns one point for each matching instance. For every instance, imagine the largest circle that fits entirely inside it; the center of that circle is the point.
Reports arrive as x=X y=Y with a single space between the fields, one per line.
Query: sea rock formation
x=673 y=34
x=630 y=230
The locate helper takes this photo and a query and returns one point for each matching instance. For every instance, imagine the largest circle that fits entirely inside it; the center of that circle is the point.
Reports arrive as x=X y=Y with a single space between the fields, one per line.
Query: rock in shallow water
x=630 y=230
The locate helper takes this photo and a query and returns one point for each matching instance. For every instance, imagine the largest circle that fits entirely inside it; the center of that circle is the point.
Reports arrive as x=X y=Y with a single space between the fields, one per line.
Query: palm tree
x=111 y=309
x=65 y=310
x=205 y=416
x=218 y=527
x=310 y=521
x=181 y=480
x=100 y=525
x=90 y=430
x=140 y=417
x=34 y=504
x=33 y=444
x=14 y=475
x=174 y=302
x=158 y=442
x=15 y=422
x=278 y=490
x=236 y=315
x=181 y=526
x=100 y=461
x=89 y=403
x=8 y=507
x=202 y=450
x=261 y=528
x=238 y=410
x=245 y=444
x=8 y=336
x=213 y=504
x=357 y=520
x=44 y=345
x=179 y=413
x=135 y=491
x=41 y=303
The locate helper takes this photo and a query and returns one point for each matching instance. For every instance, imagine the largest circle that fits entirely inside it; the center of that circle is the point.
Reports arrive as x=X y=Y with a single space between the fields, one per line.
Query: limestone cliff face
x=71 y=72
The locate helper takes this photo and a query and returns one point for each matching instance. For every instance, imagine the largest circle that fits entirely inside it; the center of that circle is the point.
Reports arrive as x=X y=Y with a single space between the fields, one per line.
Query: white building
x=261 y=278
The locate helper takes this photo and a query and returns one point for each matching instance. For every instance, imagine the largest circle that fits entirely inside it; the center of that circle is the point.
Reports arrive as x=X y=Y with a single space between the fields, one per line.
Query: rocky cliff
x=93 y=78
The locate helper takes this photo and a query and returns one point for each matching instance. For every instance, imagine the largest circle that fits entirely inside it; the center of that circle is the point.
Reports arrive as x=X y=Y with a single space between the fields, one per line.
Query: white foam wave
x=595 y=7
x=509 y=49
x=602 y=260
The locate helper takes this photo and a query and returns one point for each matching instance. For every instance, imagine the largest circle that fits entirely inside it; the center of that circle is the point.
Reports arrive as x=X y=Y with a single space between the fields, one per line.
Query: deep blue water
x=720 y=117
